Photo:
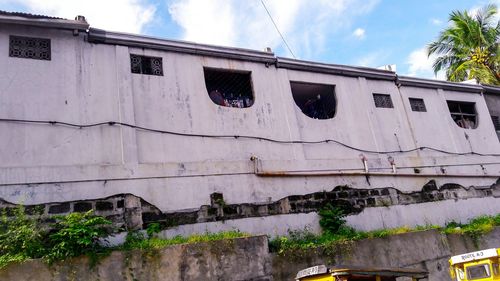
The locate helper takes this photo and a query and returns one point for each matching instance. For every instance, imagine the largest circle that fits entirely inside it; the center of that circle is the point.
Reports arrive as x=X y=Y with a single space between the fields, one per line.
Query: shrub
x=331 y=218
x=77 y=234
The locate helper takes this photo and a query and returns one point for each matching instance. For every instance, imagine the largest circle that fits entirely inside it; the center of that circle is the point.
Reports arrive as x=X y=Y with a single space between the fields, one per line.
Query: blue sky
x=353 y=32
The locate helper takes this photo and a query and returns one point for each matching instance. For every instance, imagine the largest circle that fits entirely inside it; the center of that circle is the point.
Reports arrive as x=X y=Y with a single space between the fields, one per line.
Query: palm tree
x=469 y=47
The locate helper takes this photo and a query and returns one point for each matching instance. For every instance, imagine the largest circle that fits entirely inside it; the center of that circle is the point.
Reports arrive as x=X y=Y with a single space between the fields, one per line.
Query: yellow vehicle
x=481 y=265
x=354 y=273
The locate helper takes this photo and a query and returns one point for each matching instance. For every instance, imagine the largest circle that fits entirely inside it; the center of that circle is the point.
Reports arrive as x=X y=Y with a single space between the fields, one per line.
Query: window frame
x=225 y=101
x=484 y=265
x=378 y=105
x=326 y=89
x=141 y=65
x=38 y=52
x=461 y=114
x=417 y=107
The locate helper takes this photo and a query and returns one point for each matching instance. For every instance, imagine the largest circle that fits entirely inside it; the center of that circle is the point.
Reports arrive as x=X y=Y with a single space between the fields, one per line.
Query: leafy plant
x=20 y=237
x=331 y=218
x=77 y=234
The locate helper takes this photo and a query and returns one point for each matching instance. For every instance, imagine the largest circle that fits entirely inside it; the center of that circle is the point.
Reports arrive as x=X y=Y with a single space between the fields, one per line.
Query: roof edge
x=100 y=36
x=439 y=84
x=351 y=71
x=80 y=25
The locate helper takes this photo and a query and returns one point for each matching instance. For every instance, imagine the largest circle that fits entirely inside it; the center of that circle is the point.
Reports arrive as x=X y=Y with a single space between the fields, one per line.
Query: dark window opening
x=146 y=65
x=463 y=113
x=478 y=272
x=315 y=100
x=29 y=48
x=496 y=122
x=383 y=101
x=417 y=105
x=229 y=88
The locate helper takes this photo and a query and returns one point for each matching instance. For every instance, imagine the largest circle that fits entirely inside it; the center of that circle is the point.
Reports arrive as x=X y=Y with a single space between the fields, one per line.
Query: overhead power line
x=113 y=123
x=277 y=29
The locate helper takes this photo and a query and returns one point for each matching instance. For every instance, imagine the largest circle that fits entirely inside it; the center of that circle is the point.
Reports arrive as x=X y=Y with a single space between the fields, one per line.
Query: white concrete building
x=217 y=138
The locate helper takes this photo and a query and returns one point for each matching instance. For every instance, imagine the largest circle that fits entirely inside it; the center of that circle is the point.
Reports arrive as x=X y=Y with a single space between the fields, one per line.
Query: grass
x=137 y=240
x=301 y=240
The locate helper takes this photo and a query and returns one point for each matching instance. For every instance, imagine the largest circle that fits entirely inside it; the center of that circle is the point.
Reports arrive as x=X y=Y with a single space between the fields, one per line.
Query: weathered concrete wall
x=86 y=83
x=249 y=259
x=243 y=259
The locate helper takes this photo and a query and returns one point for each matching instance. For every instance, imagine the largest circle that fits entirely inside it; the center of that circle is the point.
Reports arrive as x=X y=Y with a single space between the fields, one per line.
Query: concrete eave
x=491 y=89
x=100 y=36
x=438 y=84
x=335 y=69
x=45 y=22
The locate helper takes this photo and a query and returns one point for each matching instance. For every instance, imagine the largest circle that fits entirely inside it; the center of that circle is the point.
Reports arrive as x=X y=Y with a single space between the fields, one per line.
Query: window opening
x=478 y=272
x=496 y=122
x=315 y=100
x=29 y=48
x=383 y=101
x=229 y=88
x=417 y=105
x=146 y=65
x=463 y=113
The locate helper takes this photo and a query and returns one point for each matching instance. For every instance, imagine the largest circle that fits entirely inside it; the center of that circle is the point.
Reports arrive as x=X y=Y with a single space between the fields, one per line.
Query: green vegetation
x=137 y=240
x=24 y=237
x=469 y=47
x=337 y=234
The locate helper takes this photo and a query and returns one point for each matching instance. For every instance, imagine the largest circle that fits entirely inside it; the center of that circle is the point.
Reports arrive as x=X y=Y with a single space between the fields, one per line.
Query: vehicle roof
x=363 y=270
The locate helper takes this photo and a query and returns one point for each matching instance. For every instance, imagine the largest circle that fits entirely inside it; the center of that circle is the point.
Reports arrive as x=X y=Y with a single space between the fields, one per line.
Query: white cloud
x=117 y=15
x=373 y=59
x=359 y=33
x=436 y=22
x=421 y=65
x=306 y=25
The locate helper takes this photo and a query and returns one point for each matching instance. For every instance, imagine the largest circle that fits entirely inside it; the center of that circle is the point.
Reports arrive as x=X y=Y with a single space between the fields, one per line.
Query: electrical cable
x=112 y=123
x=277 y=29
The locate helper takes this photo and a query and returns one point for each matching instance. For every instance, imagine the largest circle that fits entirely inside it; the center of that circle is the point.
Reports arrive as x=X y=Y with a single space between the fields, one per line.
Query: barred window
x=315 y=100
x=146 y=65
x=383 y=101
x=29 y=47
x=417 y=105
x=229 y=88
x=463 y=113
x=496 y=122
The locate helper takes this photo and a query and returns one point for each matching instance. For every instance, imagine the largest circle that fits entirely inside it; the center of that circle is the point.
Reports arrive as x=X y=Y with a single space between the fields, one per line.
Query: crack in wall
x=129 y=212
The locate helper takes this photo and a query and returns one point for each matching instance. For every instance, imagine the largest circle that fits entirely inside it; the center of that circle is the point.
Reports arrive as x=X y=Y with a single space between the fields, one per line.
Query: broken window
x=417 y=105
x=463 y=113
x=146 y=65
x=29 y=48
x=496 y=122
x=383 y=101
x=229 y=88
x=315 y=100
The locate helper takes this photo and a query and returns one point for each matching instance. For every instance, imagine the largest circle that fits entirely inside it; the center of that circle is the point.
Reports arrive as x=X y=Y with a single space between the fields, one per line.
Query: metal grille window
x=417 y=105
x=29 y=48
x=315 y=100
x=383 y=100
x=463 y=113
x=496 y=122
x=146 y=65
x=229 y=88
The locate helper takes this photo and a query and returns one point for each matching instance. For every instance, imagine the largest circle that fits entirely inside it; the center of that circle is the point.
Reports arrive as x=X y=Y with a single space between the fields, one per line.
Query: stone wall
x=249 y=259
x=129 y=212
x=242 y=259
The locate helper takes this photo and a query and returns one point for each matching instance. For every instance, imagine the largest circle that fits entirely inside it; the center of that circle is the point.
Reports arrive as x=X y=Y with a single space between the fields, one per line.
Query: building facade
x=201 y=137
